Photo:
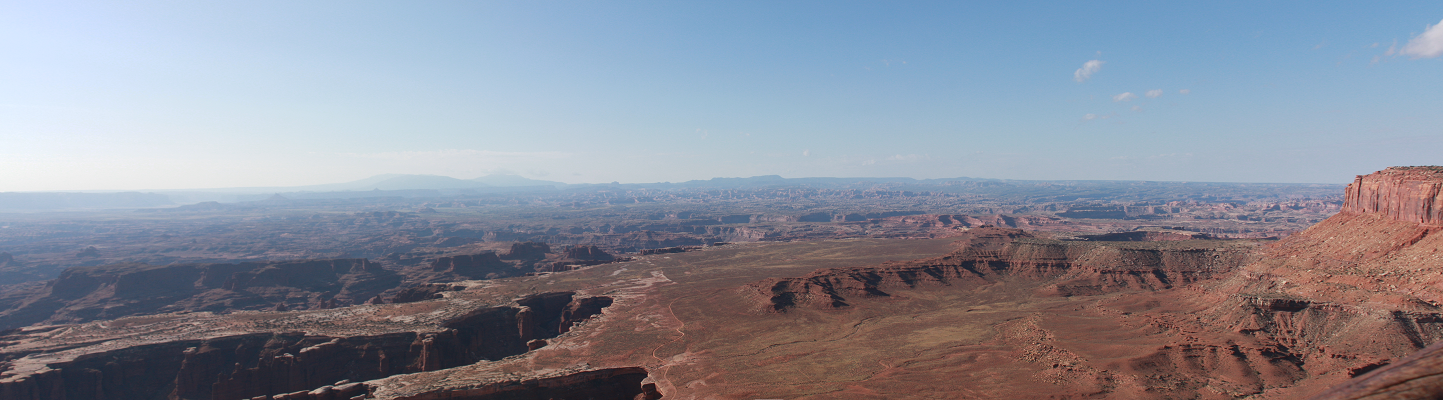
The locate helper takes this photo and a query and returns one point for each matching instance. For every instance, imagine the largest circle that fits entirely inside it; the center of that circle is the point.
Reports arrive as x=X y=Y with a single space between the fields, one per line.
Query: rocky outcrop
x=91 y=293
x=600 y=384
x=1419 y=376
x=1408 y=194
x=668 y=250
x=295 y=365
x=423 y=292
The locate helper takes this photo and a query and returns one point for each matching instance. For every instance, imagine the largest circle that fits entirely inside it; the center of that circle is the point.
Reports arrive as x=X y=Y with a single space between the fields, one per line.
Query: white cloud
x=1125 y=96
x=1184 y=91
x=806 y=153
x=1089 y=117
x=1137 y=108
x=1155 y=93
x=1088 y=68
x=1427 y=45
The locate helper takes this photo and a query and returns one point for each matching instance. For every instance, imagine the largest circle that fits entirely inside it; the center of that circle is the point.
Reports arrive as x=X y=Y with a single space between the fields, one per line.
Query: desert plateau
x=901 y=303
x=739 y=200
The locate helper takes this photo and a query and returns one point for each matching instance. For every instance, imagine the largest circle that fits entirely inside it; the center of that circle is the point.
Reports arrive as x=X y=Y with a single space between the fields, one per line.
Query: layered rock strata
x=1408 y=194
x=991 y=255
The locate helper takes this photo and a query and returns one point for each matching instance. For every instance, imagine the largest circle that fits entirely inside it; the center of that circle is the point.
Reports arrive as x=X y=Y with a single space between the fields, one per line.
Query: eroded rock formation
x=1343 y=299
x=1408 y=194
x=990 y=255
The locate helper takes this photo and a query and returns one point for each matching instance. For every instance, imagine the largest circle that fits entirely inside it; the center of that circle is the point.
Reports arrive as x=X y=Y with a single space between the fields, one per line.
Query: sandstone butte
x=1346 y=309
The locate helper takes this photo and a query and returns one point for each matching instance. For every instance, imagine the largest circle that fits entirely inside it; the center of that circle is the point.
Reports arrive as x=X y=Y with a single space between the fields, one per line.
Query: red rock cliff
x=1408 y=194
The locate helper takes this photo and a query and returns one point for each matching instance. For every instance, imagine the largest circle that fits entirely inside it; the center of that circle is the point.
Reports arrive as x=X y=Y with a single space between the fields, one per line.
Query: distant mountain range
x=423 y=186
x=377 y=186
x=395 y=182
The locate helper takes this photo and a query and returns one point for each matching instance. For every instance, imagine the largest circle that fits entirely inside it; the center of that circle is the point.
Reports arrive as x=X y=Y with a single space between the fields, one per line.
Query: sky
x=155 y=95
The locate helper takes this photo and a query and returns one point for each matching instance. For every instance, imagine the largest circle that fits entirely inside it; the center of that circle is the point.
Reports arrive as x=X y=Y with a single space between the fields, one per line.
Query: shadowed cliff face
x=90 y=293
x=258 y=364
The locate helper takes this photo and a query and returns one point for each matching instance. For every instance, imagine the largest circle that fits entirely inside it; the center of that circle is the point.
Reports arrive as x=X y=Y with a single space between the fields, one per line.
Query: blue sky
x=164 y=95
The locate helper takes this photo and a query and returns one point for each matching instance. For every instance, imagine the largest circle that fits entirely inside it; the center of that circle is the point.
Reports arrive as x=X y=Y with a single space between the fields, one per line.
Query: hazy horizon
x=163 y=95
x=342 y=185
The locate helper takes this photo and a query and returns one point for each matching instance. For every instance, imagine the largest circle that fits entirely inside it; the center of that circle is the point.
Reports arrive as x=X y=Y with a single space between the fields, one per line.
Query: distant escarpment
x=245 y=363
x=992 y=255
x=91 y=293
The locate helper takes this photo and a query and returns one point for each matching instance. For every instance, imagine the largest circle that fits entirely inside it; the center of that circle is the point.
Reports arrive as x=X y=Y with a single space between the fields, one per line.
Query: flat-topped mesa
x=1409 y=194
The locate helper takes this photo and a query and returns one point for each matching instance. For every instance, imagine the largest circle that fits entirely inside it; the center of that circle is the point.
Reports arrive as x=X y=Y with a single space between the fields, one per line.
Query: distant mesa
x=474 y=266
x=204 y=206
x=527 y=251
x=588 y=253
x=88 y=252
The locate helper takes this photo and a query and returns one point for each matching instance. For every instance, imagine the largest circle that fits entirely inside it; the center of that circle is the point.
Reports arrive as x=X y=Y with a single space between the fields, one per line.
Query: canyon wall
x=1351 y=295
x=248 y=365
x=1408 y=194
